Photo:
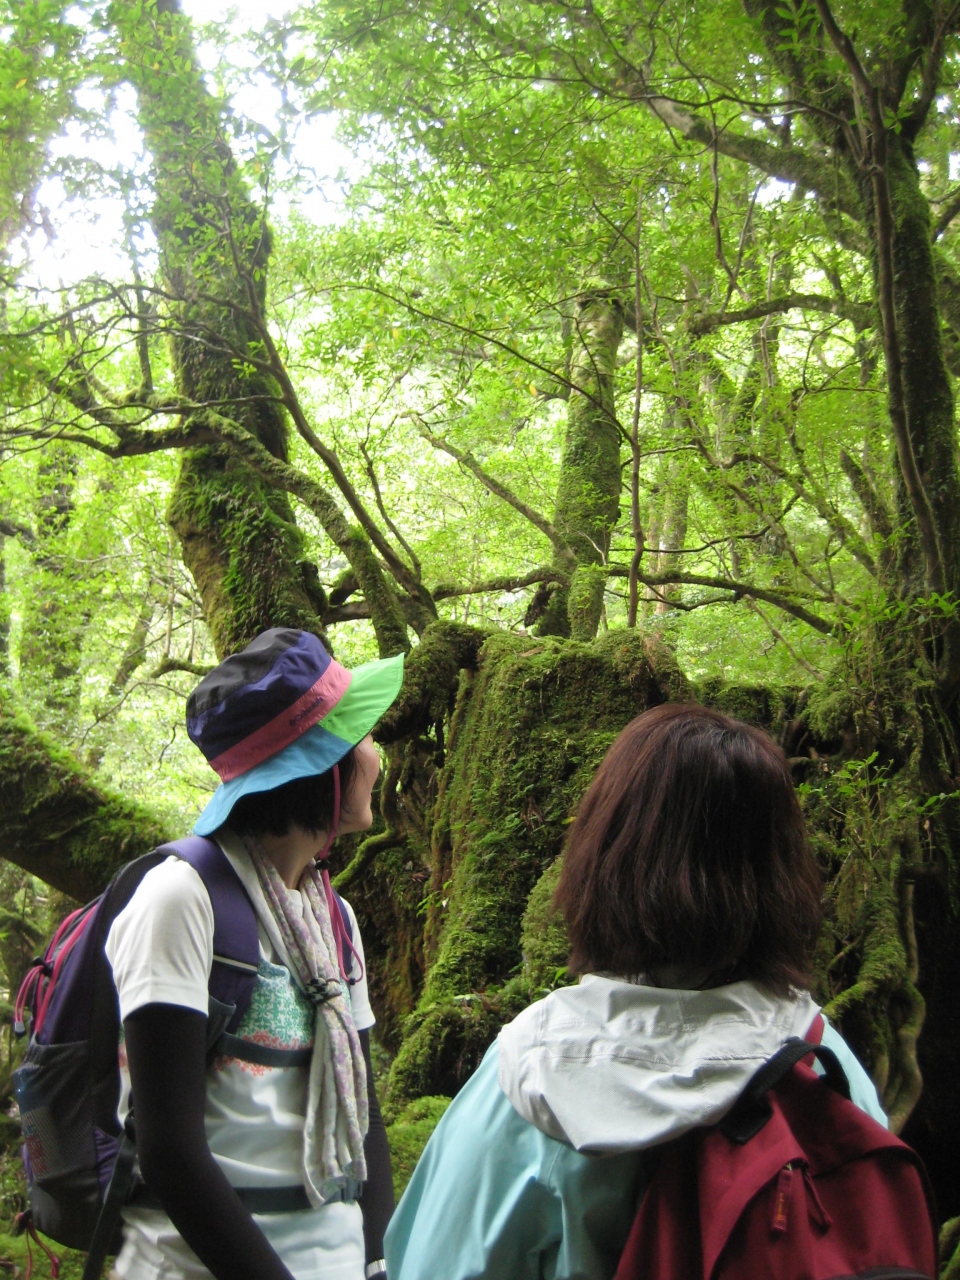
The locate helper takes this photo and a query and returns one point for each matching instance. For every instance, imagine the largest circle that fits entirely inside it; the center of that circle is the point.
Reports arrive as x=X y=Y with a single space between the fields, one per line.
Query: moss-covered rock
x=768 y=706
x=544 y=942
x=409 y=1134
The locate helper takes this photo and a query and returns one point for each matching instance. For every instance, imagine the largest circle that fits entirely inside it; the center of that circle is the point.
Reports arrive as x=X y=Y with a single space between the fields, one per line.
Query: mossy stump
x=530 y=726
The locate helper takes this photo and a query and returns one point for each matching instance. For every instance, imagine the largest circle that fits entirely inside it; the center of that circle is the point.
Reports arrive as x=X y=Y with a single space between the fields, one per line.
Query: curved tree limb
x=500 y=490
x=788 y=604
x=861 y=314
x=447 y=590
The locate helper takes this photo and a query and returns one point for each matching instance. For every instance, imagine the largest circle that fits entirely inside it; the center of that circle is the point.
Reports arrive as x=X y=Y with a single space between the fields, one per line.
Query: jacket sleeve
x=477 y=1207
x=862 y=1089
x=493 y=1198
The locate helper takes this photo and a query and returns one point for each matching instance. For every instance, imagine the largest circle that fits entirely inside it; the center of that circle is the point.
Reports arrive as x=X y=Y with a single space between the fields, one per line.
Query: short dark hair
x=303 y=802
x=689 y=850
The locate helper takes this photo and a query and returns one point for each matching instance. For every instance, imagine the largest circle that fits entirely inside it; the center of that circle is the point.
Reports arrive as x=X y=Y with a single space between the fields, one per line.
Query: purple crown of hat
x=257 y=702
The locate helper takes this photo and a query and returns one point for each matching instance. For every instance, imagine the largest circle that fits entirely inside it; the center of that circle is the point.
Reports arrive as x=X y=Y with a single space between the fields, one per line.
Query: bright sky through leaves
x=82 y=236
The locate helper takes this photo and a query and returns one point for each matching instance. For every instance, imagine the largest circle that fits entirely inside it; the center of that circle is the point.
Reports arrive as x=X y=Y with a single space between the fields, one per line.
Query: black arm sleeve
x=166 y=1049
x=376 y=1200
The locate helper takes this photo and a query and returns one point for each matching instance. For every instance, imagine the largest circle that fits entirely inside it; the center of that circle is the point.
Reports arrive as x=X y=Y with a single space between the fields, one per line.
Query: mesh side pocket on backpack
x=66 y=1164
x=51 y=1088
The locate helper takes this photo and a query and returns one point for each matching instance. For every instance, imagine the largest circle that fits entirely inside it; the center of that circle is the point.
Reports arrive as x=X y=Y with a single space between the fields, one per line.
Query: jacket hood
x=611 y=1066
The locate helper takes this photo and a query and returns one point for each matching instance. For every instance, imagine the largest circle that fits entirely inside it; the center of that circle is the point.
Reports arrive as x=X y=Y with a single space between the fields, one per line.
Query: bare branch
x=741 y=590
x=466 y=459
x=378 y=497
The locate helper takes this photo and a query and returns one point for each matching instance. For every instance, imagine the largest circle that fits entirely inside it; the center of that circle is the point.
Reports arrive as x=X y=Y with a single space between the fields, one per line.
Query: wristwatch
x=375 y=1269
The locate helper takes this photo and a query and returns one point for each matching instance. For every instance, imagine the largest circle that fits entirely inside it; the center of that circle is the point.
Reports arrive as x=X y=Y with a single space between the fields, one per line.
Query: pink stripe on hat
x=311 y=707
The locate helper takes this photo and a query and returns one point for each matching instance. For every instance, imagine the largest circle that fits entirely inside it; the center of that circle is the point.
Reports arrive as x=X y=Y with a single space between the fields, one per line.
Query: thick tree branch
x=789 y=164
x=167 y=665
x=516 y=582
x=860 y=314
x=56 y=822
x=873 y=505
x=933 y=63
x=10 y=529
x=947 y=215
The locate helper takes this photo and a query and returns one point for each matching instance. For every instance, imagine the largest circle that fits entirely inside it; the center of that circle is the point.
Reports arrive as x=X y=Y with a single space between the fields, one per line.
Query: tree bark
x=55 y=821
x=588 y=491
x=239 y=536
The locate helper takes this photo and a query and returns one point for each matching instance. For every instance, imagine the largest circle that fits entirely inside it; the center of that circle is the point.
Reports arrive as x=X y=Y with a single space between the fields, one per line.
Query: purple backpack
x=79 y=1163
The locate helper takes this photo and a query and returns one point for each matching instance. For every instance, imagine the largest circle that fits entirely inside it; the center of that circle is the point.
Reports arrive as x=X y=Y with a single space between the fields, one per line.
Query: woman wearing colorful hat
x=259 y=1171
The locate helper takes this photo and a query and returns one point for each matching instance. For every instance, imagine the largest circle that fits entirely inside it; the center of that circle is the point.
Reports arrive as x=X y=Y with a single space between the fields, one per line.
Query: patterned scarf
x=337 y=1115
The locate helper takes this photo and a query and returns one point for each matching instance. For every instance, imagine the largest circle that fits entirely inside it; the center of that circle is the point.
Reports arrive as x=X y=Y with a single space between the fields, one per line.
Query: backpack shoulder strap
x=344 y=915
x=236 y=944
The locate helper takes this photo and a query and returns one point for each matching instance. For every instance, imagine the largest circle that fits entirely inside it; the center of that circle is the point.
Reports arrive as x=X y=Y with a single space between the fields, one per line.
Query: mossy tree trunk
x=55 y=821
x=236 y=525
x=590 y=484
x=893 y=698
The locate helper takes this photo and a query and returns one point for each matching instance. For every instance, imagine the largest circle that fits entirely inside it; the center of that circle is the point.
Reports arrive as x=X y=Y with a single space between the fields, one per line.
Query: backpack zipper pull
x=814 y=1204
x=781 y=1199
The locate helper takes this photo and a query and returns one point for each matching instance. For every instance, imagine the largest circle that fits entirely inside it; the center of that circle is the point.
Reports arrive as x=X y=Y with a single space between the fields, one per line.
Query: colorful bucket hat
x=282 y=709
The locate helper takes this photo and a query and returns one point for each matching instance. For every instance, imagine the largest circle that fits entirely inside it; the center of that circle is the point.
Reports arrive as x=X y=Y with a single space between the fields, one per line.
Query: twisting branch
x=860 y=314
x=466 y=459
x=789 y=164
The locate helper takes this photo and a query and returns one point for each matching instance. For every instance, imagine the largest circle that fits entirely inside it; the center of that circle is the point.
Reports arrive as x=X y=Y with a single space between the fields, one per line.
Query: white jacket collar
x=610 y=1066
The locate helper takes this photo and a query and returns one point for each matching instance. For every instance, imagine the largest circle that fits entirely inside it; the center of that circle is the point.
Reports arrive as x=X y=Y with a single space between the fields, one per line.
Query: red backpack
x=796 y=1183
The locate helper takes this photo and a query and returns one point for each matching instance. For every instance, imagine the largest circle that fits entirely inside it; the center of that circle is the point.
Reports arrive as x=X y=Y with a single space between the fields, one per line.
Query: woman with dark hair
x=263 y=1153
x=692 y=901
